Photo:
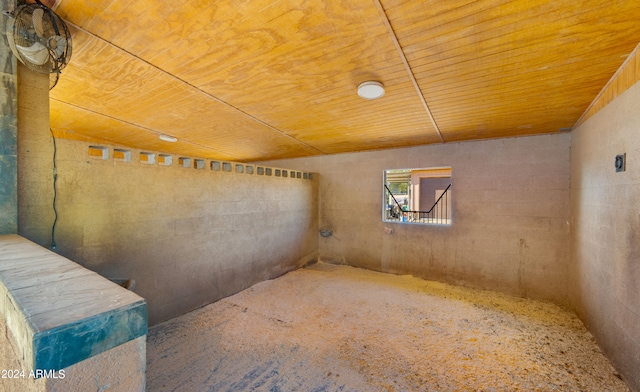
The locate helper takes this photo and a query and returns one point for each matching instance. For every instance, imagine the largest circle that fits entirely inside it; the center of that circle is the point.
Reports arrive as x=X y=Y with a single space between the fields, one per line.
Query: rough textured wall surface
x=122 y=369
x=188 y=237
x=606 y=231
x=510 y=229
x=35 y=157
x=8 y=133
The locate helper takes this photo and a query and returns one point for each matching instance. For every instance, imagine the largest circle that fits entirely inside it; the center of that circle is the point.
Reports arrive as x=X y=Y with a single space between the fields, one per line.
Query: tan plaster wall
x=188 y=237
x=119 y=369
x=605 y=272
x=35 y=157
x=510 y=228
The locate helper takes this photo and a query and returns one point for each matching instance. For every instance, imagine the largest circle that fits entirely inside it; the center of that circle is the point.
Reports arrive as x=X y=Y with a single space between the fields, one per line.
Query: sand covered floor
x=338 y=328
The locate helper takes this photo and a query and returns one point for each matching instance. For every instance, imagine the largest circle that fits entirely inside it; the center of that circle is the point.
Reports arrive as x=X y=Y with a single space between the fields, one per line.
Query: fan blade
x=58 y=45
x=37 y=53
x=38 y=14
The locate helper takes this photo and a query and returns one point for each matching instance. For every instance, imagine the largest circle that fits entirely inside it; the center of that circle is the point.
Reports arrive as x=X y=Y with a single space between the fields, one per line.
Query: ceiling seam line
x=196 y=88
x=606 y=86
x=142 y=127
x=407 y=67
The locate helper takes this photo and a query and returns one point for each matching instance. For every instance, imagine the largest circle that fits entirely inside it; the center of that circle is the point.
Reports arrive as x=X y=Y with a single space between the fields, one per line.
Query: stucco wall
x=510 y=228
x=188 y=237
x=605 y=212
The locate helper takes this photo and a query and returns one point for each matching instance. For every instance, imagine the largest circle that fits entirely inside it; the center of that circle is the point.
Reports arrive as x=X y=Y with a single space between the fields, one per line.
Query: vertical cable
x=55 y=193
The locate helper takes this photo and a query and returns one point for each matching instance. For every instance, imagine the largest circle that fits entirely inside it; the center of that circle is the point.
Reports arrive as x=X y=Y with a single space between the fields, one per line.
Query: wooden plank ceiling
x=266 y=79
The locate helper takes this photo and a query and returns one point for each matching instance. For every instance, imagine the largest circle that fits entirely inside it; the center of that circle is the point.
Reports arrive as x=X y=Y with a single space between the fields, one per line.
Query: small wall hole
x=165 y=160
x=148 y=158
x=99 y=152
x=121 y=155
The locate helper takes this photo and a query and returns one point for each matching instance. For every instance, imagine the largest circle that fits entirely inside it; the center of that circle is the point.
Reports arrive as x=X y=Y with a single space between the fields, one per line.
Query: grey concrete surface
x=510 y=227
x=59 y=313
x=605 y=209
x=187 y=237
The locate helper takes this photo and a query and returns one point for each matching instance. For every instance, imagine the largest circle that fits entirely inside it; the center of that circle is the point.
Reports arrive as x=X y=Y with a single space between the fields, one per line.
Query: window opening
x=418 y=196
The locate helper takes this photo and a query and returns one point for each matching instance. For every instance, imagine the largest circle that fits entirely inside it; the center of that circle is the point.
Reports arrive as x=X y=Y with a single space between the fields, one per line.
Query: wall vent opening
x=165 y=160
x=184 y=162
x=99 y=152
x=121 y=155
x=148 y=158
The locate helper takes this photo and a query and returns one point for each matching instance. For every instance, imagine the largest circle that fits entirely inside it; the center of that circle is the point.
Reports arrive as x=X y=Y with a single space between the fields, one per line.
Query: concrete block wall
x=605 y=213
x=510 y=229
x=8 y=133
x=47 y=345
x=188 y=237
x=121 y=369
x=35 y=155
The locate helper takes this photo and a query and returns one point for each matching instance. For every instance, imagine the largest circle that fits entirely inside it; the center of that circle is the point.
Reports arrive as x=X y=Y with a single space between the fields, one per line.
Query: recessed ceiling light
x=370 y=90
x=168 y=138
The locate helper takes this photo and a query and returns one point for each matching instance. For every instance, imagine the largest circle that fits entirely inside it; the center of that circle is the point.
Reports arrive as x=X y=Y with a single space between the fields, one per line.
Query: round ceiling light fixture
x=370 y=90
x=168 y=138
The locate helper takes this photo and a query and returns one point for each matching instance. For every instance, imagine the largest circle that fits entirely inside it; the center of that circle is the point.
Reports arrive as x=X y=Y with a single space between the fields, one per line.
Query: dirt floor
x=338 y=328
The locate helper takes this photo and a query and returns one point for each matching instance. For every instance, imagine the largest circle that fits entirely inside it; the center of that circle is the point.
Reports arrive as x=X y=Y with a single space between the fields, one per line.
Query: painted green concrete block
x=8 y=175
x=60 y=313
x=66 y=345
x=8 y=141
x=8 y=194
x=8 y=215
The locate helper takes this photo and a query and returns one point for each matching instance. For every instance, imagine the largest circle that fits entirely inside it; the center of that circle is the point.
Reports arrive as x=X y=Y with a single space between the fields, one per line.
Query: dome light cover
x=168 y=138
x=370 y=90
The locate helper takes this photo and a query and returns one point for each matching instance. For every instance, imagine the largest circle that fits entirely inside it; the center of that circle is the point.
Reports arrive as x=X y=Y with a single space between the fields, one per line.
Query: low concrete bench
x=66 y=327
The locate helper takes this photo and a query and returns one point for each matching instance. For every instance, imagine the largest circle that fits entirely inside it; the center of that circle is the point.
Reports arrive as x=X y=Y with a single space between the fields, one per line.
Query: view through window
x=417 y=196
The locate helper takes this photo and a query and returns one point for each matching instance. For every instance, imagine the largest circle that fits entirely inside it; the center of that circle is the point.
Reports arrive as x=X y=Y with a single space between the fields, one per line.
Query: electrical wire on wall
x=55 y=193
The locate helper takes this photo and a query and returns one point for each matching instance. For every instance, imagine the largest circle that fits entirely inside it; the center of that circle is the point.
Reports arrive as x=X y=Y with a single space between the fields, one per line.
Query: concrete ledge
x=60 y=313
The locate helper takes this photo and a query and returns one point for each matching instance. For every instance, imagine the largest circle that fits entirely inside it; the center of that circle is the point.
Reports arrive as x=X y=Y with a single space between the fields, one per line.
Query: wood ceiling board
x=486 y=20
x=492 y=72
x=216 y=146
x=532 y=36
x=529 y=91
x=281 y=26
x=532 y=80
x=365 y=144
x=625 y=77
x=251 y=77
x=303 y=56
x=520 y=62
x=119 y=86
x=286 y=74
x=236 y=137
x=69 y=118
x=367 y=117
